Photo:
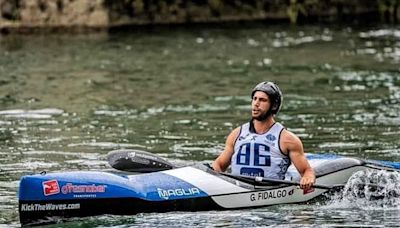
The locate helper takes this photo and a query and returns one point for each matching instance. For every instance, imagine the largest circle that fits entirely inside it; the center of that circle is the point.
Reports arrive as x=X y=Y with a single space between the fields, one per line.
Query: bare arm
x=294 y=147
x=224 y=159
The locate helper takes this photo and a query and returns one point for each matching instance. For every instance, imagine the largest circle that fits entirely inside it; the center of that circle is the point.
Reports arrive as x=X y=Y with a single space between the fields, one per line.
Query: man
x=263 y=147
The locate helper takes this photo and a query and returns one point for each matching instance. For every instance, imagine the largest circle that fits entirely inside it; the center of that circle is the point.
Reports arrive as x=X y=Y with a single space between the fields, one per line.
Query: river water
x=66 y=100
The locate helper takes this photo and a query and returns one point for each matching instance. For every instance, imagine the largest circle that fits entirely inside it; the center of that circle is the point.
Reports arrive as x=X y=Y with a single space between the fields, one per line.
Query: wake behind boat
x=45 y=198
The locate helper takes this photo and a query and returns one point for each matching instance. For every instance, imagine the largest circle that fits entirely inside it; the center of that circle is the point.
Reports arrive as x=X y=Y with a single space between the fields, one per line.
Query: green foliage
x=215 y=4
x=173 y=11
x=138 y=6
x=388 y=8
x=296 y=7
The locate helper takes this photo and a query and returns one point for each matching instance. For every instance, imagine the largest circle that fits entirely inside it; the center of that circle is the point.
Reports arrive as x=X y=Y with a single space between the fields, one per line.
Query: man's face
x=260 y=106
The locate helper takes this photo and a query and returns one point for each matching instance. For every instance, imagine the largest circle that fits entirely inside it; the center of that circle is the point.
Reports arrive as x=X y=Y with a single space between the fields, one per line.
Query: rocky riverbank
x=78 y=15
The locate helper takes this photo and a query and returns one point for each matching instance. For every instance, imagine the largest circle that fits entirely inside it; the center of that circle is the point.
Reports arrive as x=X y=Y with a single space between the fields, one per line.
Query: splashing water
x=370 y=189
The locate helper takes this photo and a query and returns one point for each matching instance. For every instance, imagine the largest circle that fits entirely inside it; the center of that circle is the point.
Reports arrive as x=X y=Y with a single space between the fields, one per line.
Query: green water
x=65 y=101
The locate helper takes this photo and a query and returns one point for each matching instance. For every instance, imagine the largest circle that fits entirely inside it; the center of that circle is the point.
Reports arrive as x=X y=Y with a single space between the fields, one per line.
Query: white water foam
x=32 y=114
x=369 y=190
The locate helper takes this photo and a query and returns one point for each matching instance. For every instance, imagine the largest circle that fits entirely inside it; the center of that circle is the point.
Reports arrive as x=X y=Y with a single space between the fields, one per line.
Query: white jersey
x=259 y=154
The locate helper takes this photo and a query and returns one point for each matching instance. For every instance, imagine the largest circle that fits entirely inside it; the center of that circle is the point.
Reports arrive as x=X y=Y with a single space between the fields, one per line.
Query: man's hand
x=307 y=182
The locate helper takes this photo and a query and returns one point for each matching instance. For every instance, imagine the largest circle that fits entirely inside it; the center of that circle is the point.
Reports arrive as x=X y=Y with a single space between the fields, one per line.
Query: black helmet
x=273 y=92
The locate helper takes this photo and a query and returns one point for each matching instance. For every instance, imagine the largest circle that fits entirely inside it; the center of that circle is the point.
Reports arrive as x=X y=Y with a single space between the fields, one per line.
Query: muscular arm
x=224 y=159
x=293 y=146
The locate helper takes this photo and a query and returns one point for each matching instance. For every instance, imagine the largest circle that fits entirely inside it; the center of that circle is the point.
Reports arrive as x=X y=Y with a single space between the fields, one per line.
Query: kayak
x=51 y=197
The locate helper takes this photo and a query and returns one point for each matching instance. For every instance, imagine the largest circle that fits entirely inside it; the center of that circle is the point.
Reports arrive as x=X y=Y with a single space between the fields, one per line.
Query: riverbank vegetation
x=28 y=15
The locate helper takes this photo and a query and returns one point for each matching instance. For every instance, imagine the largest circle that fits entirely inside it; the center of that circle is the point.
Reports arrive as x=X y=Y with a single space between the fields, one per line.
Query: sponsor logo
x=270 y=137
x=281 y=193
x=72 y=188
x=49 y=207
x=50 y=187
x=178 y=192
x=243 y=137
x=142 y=155
x=131 y=154
x=141 y=158
x=307 y=191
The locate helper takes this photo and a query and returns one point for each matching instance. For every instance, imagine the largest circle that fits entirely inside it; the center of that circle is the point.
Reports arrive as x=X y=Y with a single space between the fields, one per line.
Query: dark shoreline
x=81 y=16
x=365 y=19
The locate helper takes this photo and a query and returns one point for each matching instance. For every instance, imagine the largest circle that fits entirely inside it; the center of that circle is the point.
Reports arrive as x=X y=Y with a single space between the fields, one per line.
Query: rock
x=8 y=9
x=63 y=13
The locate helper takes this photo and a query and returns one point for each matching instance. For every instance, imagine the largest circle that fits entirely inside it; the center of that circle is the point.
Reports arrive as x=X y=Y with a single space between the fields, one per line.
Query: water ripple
x=108 y=145
x=32 y=114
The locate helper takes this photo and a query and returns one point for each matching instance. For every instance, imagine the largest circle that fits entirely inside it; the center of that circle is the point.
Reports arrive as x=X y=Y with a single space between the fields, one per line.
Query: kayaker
x=262 y=146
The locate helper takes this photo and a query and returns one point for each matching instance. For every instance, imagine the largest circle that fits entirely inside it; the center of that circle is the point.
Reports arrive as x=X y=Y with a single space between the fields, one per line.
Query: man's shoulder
x=235 y=132
x=287 y=135
x=290 y=142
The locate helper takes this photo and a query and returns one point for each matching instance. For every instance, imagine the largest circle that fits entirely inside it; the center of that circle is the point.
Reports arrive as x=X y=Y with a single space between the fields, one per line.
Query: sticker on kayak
x=275 y=194
x=50 y=187
x=307 y=191
x=160 y=186
x=83 y=188
x=177 y=193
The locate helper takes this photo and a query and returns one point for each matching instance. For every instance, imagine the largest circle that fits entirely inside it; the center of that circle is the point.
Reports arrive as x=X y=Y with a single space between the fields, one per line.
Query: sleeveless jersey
x=259 y=154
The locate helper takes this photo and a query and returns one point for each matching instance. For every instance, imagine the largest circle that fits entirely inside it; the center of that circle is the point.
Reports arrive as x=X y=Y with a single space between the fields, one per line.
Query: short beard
x=263 y=116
